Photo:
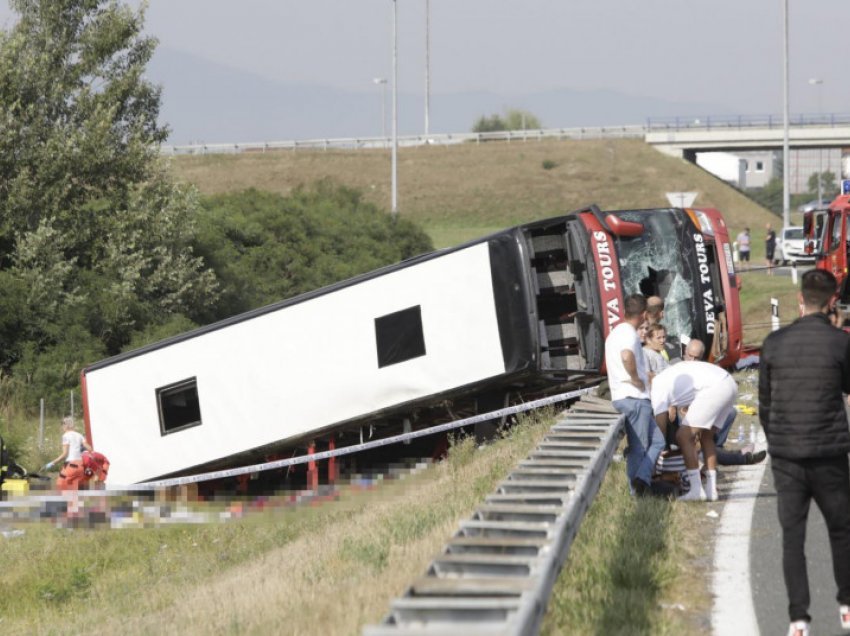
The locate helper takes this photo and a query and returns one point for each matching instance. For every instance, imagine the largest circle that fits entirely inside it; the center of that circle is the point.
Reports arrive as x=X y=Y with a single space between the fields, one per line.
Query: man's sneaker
x=696 y=493
x=844 y=614
x=755 y=458
x=798 y=628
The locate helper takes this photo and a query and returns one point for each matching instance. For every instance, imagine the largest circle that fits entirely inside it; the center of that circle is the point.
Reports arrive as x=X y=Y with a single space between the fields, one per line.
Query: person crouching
x=92 y=466
x=706 y=395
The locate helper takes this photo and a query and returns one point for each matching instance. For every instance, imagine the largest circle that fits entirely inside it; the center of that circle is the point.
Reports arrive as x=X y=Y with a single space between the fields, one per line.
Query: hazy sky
x=715 y=51
x=711 y=50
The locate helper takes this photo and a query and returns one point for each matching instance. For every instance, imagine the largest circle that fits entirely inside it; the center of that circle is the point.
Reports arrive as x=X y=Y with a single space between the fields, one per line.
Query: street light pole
x=427 y=67
x=786 y=152
x=382 y=81
x=816 y=81
x=394 y=208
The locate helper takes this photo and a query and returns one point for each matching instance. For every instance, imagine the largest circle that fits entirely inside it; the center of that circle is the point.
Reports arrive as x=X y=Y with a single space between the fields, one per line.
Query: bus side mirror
x=809 y=247
x=623 y=228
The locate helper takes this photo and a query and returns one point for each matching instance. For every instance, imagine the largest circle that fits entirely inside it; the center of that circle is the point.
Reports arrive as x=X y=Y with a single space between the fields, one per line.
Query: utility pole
x=786 y=152
x=394 y=169
x=427 y=68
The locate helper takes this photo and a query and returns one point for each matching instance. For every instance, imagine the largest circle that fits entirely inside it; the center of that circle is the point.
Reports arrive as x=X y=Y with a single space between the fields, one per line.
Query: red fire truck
x=827 y=235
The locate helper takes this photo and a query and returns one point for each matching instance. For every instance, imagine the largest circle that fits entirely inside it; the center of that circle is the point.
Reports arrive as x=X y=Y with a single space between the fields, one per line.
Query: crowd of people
x=671 y=403
x=804 y=376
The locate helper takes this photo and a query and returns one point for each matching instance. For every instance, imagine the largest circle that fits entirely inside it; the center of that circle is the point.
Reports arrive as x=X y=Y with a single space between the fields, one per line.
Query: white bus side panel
x=298 y=369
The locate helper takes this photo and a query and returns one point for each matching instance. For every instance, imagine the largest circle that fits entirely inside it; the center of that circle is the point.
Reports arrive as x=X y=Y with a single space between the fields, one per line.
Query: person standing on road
x=628 y=379
x=743 y=240
x=769 y=248
x=804 y=370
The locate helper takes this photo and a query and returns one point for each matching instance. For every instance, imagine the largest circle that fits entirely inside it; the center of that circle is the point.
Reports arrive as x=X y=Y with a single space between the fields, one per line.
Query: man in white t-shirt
x=628 y=379
x=705 y=395
x=743 y=240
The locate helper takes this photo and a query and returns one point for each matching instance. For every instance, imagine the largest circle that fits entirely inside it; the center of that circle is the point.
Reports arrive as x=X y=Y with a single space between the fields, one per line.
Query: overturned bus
x=523 y=310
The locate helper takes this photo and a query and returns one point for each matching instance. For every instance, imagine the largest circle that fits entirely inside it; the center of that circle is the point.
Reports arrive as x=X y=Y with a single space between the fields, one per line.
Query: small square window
x=399 y=336
x=759 y=166
x=178 y=406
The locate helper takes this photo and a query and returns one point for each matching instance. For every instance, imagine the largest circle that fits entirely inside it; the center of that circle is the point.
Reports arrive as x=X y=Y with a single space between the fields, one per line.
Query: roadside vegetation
x=460 y=192
x=334 y=568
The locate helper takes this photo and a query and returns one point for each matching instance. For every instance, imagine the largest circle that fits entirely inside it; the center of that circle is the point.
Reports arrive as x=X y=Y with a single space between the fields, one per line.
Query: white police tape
x=356 y=448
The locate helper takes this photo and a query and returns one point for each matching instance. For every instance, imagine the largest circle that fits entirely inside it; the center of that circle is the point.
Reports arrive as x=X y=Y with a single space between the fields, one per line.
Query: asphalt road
x=768 y=584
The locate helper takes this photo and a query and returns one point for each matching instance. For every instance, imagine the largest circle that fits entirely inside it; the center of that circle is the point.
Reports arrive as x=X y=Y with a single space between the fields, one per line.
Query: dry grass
x=463 y=191
x=334 y=568
x=326 y=570
x=637 y=567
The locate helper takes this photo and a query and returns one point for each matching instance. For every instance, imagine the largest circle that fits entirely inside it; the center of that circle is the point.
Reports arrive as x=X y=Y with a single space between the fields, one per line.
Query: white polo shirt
x=679 y=384
x=623 y=337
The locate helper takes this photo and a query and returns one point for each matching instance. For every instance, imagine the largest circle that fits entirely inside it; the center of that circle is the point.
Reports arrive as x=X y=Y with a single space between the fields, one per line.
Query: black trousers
x=798 y=481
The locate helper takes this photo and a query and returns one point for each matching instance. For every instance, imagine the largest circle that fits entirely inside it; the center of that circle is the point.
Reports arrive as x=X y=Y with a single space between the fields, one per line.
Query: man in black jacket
x=805 y=368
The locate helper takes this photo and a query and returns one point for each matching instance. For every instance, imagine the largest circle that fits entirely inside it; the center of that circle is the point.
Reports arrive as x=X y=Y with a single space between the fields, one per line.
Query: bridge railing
x=653 y=124
x=829 y=120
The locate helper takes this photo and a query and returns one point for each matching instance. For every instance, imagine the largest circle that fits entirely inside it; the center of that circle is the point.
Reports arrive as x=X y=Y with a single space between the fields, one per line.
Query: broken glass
x=661 y=262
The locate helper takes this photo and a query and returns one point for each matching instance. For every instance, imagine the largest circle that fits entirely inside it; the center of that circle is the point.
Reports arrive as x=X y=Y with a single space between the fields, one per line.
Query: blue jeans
x=721 y=435
x=644 y=436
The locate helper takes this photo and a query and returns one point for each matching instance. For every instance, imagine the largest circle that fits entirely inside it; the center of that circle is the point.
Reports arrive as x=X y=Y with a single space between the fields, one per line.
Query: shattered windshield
x=659 y=262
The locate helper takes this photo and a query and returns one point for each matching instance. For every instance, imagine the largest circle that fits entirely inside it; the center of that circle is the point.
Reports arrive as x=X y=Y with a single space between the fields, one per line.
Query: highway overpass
x=687 y=137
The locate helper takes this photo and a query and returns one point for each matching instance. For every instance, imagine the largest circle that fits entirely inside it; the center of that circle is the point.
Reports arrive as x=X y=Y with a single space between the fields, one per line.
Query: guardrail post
x=774 y=314
x=332 y=469
x=312 y=469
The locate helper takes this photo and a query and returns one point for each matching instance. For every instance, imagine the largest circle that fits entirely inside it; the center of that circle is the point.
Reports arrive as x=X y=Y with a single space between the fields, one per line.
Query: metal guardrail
x=358 y=143
x=638 y=131
x=828 y=120
x=496 y=574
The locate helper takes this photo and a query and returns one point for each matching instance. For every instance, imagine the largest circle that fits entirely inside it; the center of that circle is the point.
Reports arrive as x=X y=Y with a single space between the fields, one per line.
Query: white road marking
x=733 y=611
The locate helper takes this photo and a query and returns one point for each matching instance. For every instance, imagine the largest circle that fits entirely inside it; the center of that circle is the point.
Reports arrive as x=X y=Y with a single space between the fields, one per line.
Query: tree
x=265 y=247
x=827 y=183
x=91 y=225
x=514 y=119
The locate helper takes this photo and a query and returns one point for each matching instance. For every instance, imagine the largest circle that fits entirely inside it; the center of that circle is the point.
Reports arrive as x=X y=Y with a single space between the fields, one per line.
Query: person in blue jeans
x=629 y=383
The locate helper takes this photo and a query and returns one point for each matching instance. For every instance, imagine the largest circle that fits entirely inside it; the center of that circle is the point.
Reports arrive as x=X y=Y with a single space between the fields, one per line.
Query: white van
x=790 y=247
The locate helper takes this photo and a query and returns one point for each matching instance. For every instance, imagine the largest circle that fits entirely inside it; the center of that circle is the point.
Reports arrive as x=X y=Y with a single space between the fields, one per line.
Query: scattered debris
x=672 y=606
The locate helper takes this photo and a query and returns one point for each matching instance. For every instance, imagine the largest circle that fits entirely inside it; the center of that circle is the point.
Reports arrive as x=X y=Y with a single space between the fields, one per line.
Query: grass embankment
x=464 y=191
x=757 y=288
x=334 y=568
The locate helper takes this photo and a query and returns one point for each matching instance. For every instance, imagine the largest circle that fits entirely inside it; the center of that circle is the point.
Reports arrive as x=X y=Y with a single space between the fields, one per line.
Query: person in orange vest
x=91 y=466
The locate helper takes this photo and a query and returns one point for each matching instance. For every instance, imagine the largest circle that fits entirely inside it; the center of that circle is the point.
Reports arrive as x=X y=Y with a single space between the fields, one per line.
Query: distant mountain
x=211 y=103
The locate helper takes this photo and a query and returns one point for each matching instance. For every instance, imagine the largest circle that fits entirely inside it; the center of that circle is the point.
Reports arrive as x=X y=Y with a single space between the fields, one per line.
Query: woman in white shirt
x=72 y=444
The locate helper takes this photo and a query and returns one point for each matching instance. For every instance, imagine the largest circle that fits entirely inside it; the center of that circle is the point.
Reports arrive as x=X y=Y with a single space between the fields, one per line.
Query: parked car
x=790 y=247
x=811 y=206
